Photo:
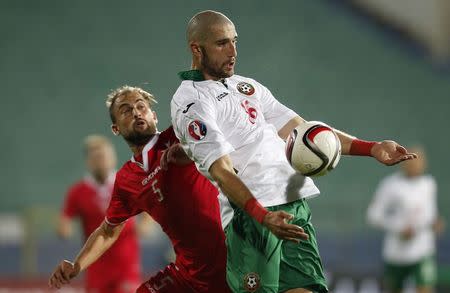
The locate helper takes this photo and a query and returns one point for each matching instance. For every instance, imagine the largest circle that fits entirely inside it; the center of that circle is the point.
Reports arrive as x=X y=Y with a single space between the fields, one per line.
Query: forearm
x=97 y=243
x=345 y=139
x=232 y=186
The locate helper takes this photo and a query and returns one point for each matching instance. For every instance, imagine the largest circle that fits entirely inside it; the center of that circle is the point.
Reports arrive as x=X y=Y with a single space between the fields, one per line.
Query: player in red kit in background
x=181 y=200
x=87 y=200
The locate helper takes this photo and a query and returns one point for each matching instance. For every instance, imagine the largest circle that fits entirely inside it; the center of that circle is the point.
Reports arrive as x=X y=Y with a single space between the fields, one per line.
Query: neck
x=100 y=178
x=197 y=66
x=136 y=149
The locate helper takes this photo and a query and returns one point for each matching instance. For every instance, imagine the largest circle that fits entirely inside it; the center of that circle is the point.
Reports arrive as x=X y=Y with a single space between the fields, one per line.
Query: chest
x=94 y=201
x=239 y=108
x=412 y=197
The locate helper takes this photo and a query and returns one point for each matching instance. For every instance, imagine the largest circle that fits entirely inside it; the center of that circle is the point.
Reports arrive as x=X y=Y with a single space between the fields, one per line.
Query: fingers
x=61 y=275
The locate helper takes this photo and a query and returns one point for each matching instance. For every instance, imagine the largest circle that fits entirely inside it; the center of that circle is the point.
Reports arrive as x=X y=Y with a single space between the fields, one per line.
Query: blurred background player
x=118 y=270
x=181 y=200
x=405 y=207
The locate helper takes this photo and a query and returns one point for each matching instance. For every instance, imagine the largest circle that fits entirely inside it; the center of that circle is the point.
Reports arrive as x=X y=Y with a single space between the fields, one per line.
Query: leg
x=425 y=275
x=253 y=256
x=166 y=281
x=301 y=268
x=394 y=277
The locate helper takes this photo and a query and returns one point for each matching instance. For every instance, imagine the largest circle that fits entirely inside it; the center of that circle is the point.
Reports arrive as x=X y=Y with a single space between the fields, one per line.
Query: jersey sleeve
x=120 y=208
x=274 y=112
x=70 y=206
x=199 y=133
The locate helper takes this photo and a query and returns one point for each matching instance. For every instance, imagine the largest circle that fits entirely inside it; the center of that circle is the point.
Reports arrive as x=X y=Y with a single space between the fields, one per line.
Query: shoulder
x=391 y=179
x=77 y=188
x=123 y=173
x=430 y=180
x=167 y=135
x=185 y=91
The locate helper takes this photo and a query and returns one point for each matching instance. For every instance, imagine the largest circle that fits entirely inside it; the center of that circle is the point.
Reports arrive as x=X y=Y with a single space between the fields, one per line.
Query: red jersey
x=182 y=201
x=88 y=201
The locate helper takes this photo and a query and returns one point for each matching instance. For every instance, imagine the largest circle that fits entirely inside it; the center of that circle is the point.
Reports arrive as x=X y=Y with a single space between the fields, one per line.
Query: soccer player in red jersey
x=181 y=200
x=88 y=200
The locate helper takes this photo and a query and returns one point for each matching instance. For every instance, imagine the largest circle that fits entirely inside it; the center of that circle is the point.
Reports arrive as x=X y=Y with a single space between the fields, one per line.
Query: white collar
x=147 y=148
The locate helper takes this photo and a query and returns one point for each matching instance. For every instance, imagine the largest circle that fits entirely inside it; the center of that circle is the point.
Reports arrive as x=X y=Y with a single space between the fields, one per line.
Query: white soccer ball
x=313 y=148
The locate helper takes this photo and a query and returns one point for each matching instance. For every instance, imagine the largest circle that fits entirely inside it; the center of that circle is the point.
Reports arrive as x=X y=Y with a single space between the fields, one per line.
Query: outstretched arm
x=387 y=152
x=98 y=242
x=223 y=173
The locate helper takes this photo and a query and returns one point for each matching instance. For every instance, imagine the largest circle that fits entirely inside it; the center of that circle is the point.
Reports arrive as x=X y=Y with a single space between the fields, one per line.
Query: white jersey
x=241 y=118
x=401 y=202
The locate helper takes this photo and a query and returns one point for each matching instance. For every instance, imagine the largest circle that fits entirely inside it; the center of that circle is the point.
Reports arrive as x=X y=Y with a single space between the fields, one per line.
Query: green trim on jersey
x=258 y=261
x=194 y=75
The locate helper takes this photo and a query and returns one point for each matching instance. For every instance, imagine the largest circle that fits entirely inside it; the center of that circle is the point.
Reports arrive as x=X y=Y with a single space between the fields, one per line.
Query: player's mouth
x=230 y=65
x=140 y=123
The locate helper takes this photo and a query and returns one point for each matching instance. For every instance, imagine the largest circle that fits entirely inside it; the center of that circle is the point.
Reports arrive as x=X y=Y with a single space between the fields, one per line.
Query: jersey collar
x=147 y=148
x=194 y=75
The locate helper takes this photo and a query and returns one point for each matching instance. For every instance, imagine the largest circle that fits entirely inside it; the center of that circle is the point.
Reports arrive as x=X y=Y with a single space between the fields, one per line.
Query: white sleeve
x=380 y=213
x=199 y=134
x=274 y=112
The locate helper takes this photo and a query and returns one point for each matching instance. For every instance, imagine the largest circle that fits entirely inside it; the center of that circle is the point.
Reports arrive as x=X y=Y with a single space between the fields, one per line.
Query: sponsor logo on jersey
x=251 y=282
x=187 y=107
x=245 y=88
x=221 y=96
x=151 y=175
x=197 y=130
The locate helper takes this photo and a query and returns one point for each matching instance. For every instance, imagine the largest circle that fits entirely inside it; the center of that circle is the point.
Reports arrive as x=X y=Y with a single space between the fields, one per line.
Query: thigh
x=301 y=265
x=394 y=276
x=425 y=272
x=166 y=281
x=253 y=256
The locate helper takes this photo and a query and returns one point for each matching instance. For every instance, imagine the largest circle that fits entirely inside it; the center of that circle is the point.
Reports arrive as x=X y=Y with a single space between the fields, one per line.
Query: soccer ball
x=313 y=148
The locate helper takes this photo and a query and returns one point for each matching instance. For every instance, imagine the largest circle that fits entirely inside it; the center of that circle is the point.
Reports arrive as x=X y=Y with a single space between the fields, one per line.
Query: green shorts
x=259 y=262
x=423 y=274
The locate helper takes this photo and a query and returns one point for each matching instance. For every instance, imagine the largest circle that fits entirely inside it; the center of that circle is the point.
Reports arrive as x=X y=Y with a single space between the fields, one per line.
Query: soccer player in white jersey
x=405 y=207
x=234 y=129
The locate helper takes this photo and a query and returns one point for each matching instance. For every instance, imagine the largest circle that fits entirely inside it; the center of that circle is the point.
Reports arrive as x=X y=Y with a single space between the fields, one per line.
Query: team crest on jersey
x=252 y=282
x=245 y=88
x=197 y=130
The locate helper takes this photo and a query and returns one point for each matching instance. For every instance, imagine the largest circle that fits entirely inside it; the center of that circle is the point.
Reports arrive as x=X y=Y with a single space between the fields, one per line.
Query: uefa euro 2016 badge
x=251 y=282
x=245 y=88
x=197 y=130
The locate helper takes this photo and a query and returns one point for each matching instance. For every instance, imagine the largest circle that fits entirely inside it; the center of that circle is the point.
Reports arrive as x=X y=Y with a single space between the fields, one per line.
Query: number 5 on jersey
x=157 y=190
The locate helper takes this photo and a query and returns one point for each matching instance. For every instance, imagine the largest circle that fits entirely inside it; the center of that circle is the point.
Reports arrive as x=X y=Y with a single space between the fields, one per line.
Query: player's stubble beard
x=209 y=67
x=139 y=138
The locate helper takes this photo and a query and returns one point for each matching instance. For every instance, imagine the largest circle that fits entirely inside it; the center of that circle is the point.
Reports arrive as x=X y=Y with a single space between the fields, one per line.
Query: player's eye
x=125 y=110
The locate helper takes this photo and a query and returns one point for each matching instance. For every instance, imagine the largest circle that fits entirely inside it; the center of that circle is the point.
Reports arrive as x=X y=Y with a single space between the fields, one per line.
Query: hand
x=174 y=154
x=438 y=226
x=276 y=222
x=408 y=233
x=389 y=152
x=63 y=273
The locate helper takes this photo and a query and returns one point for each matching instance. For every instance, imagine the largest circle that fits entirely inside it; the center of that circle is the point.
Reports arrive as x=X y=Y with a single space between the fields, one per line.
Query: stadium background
x=325 y=59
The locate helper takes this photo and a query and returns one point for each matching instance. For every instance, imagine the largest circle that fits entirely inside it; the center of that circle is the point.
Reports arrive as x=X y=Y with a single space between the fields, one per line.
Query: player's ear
x=195 y=49
x=115 y=129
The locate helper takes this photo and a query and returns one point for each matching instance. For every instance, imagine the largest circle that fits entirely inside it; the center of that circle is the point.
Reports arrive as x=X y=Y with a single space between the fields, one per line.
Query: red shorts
x=170 y=280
